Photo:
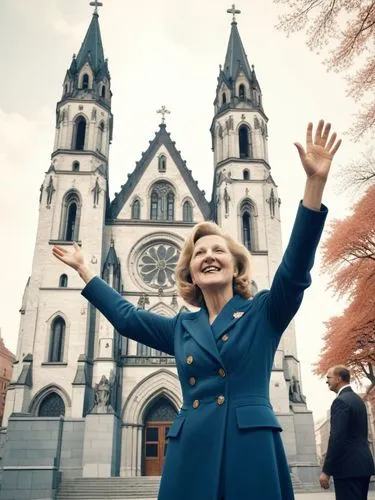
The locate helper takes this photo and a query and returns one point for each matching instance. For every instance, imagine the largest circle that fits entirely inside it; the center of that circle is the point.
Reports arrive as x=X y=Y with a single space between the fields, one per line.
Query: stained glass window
x=187 y=212
x=162 y=201
x=52 y=406
x=157 y=265
x=56 y=347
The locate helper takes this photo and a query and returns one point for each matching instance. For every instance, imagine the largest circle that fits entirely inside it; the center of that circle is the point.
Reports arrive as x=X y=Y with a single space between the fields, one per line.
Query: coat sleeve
x=340 y=415
x=293 y=274
x=145 y=327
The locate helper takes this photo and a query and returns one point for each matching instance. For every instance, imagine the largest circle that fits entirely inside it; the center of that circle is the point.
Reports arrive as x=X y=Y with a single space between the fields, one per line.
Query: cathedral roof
x=162 y=137
x=91 y=50
x=236 y=57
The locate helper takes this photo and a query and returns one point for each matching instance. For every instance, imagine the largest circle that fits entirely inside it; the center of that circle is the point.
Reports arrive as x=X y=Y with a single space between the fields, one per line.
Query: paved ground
x=325 y=496
x=302 y=496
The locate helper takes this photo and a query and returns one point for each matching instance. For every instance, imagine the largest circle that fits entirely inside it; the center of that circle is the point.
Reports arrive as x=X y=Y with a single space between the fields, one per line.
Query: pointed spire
x=236 y=57
x=112 y=259
x=92 y=48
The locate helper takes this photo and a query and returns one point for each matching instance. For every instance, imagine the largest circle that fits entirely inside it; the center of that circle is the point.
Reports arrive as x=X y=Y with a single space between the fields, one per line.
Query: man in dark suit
x=348 y=458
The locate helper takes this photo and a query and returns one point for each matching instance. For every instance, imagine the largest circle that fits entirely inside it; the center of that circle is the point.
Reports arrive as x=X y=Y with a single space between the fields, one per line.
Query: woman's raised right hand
x=73 y=257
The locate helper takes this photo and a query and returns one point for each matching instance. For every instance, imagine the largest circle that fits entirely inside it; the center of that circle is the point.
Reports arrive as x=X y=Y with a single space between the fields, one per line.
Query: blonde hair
x=191 y=293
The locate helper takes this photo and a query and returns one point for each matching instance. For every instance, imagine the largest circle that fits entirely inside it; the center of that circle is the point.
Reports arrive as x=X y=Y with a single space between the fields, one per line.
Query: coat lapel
x=199 y=328
x=229 y=315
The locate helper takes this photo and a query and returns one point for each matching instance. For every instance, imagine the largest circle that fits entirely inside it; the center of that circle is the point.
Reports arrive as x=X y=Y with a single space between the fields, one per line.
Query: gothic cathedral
x=72 y=366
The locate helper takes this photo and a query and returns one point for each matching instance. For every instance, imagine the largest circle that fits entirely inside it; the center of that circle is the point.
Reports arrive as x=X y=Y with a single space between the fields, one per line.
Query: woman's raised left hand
x=319 y=153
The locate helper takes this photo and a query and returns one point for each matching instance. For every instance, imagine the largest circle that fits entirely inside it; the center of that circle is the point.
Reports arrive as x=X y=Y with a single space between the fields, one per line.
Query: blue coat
x=225 y=441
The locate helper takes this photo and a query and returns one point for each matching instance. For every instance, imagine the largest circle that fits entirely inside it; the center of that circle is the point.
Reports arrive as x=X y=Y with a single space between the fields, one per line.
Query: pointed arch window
x=162 y=163
x=136 y=210
x=248 y=213
x=57 y=339
x=245 y=142
x=162 y=201
x=242 y=91
x=100 y=136
x=66 y=88
x=224 y=98
x=103 y=92
x=79 y=133
x=187 y=212
x=246 y=175
x=52 y=406
x=170 y=206
x=70 y=217
x=63 y=281
x=75 y=166
x=85 y=81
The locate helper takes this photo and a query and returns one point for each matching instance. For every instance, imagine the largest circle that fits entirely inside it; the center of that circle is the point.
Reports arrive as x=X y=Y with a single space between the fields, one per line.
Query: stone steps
x=121 y=488
x=108 y=488
x=297 y=485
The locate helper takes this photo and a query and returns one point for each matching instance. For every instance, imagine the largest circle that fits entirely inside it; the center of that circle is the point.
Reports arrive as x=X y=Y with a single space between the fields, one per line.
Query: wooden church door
x=158 y=420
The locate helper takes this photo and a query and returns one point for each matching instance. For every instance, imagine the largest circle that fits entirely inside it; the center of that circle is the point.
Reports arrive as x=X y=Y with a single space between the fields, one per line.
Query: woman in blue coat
x=225 y=442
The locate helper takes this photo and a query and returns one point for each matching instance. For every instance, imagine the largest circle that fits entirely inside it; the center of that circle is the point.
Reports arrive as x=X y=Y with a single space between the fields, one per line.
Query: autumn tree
x=349 y=258
x=357 y=175
x=347 y=28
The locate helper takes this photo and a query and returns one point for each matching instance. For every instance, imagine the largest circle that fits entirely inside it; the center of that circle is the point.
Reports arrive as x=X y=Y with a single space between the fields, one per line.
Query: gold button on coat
x=222 y=372
x=225 y=337
x=220 y=400
x=192 y=380
x=195 y=403
x=189 y=360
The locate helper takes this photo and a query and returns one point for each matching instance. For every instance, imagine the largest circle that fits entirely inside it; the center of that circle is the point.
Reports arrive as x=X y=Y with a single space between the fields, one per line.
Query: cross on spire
x=163 y=111
x=233 y=11
x=96 y=4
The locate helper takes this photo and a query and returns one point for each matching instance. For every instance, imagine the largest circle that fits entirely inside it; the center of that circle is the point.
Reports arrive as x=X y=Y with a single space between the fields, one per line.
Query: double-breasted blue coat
x=225 y=441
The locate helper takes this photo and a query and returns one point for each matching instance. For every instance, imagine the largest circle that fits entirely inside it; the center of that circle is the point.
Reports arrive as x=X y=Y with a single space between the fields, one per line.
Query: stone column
x=100 y=432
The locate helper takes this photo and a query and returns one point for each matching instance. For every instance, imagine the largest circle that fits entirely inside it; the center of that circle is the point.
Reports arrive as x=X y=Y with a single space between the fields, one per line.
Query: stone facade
x=66 y=349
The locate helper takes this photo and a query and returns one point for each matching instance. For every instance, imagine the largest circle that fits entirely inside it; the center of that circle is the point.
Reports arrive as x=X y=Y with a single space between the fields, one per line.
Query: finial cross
x=233 y=11
x=163 y=111
x=96 y=4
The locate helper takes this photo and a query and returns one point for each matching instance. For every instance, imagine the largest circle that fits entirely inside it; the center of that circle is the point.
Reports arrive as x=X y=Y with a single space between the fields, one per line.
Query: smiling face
x=212 y=265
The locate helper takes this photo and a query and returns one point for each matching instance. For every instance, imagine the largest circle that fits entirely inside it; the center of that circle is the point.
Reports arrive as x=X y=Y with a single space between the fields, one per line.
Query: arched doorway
x=157 y=421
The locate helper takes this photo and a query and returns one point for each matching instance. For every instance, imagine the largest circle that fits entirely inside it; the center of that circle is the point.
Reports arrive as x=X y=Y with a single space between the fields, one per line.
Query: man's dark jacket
x=348 y=453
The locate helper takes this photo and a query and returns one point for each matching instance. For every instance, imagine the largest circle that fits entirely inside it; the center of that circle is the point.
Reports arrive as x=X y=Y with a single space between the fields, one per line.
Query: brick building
x=6 y=366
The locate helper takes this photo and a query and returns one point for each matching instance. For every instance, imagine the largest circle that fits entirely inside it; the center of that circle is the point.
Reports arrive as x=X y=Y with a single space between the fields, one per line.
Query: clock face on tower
x=157 y=263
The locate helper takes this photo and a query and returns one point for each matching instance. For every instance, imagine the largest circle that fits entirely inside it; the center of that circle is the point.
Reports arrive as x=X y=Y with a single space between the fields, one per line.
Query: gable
x=147 y=172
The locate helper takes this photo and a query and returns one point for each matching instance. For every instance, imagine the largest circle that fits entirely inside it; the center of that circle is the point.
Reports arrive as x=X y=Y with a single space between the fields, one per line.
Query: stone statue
x=50 y=190
x=295 y=393
x=102 y=395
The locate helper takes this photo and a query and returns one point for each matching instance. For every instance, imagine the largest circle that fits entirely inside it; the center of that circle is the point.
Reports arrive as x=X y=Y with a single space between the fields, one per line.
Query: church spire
x=88 y=75
x=237 y=83
x=91 y=50
x=236 y=57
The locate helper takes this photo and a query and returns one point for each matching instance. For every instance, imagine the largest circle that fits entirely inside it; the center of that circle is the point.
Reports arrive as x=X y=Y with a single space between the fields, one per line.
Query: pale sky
x=163 y=52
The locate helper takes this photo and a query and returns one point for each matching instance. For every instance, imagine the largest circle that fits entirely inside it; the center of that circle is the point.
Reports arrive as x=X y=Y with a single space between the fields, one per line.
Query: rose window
x=157 y=265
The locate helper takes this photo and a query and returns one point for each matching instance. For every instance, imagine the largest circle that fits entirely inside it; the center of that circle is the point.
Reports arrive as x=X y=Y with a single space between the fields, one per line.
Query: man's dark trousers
x=355 y=488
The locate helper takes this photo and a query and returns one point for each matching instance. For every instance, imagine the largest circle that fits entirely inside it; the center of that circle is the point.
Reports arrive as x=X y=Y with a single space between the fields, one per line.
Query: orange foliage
x=351 y=23
x=349 y=257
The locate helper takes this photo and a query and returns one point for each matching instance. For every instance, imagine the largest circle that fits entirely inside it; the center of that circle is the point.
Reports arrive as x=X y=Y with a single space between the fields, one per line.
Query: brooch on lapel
x=238 y=314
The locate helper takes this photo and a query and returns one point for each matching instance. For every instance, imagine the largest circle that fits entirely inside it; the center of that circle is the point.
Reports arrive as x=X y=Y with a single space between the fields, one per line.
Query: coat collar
x=345 y=388
x=205 y=334
x=233 y=310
